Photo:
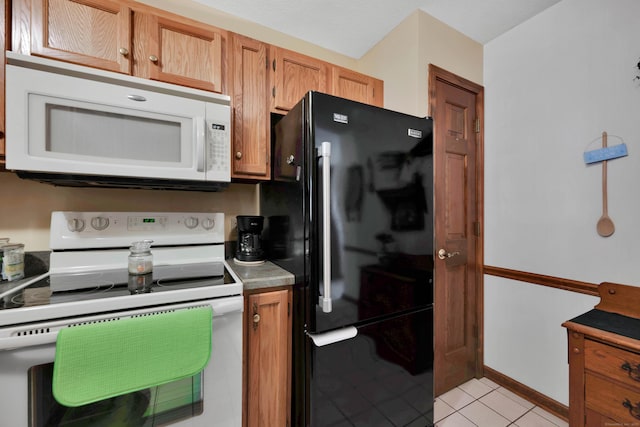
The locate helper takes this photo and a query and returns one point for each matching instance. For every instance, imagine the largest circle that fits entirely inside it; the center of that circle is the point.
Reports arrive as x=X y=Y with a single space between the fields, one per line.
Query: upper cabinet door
x=187 y=54
x=250 y=102
x=357 y=87
x=96 y=33
x=293 y=75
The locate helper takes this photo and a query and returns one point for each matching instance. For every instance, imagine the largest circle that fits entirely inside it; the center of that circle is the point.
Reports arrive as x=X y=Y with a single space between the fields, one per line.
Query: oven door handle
x=12 y=343
x=221 y=307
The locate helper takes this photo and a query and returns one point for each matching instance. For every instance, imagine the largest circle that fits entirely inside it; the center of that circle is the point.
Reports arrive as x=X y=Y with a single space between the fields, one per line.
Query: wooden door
x=293 y=75
x=456 y=106
x=268 y=359
x=178 y=51
x=356 y=86
x=96 y=33
x=250 y=102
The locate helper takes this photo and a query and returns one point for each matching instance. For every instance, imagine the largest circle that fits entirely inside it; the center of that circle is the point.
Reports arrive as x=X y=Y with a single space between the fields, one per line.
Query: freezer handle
x=334 y=336
x=325 y=298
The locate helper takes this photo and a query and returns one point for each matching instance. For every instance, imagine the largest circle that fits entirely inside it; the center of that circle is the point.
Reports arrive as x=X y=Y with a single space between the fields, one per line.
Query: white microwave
x=73 y=125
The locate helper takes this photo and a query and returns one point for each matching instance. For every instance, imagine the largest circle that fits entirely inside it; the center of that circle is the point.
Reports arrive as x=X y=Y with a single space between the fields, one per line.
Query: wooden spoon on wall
x=605 y=225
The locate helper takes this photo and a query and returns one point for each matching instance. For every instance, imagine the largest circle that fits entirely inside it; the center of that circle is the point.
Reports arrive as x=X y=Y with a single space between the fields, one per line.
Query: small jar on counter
x=140 y=258
x=12 y=261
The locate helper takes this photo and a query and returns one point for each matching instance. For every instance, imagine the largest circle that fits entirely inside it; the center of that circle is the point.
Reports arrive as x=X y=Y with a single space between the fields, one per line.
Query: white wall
x=402 y=60
x=553 y=85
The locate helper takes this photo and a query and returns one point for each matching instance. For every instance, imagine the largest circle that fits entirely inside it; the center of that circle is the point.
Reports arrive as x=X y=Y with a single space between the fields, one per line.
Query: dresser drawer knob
x=633 y=410
x=632 y=371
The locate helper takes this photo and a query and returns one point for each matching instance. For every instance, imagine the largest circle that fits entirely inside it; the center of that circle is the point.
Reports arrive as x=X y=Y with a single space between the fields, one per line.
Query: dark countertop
x=267 y=275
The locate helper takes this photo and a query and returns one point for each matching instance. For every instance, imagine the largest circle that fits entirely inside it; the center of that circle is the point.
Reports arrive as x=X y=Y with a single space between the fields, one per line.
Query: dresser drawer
x=612 y=400
x=612 y=362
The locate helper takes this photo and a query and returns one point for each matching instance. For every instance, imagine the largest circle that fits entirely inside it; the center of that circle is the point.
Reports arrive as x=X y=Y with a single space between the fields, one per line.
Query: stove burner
x=39 y=296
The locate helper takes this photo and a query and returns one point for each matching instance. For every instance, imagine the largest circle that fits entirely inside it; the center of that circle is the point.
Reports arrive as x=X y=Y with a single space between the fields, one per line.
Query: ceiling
x=352 y=27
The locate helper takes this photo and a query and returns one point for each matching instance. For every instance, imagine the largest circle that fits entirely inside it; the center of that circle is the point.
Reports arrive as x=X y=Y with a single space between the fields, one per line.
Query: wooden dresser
x=604 y=360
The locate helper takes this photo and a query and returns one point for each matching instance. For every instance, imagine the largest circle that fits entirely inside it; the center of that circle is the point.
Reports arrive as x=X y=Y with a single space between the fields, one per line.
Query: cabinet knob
x=256 y=318
x=238 y=155
x=153 y=58
x=123 y=51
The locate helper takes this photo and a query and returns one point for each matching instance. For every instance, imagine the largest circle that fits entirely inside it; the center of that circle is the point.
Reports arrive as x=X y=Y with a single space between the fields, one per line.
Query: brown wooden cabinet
x=177 y=51
x=268 y=359
x=89 y=32
x=122 y=36
x=359 y=87
x=604 y=360
x=293 y=75
x=250 y=153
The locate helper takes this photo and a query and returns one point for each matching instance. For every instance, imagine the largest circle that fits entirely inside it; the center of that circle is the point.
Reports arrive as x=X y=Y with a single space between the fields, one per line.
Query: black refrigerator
x=349 y=211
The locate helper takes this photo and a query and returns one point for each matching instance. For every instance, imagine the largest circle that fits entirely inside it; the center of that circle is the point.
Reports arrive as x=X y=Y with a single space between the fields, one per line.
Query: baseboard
x=537 y=398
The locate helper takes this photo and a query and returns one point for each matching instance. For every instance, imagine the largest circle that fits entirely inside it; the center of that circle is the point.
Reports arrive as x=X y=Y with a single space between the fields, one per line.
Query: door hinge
x=476 y=229
x=273 y=91
x=476 y=124
x=274 y=64
x=288 y=309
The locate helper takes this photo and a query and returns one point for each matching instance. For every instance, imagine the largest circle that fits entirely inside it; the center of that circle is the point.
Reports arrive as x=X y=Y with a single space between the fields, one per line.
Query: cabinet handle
x=238 y=155
x=256 y=316
x=153 y=58
x=633 y=410
x=632 y=371
x=123 y=51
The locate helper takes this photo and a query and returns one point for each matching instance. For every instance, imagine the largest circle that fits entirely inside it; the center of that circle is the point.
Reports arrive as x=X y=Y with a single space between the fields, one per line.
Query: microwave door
x=105 y=129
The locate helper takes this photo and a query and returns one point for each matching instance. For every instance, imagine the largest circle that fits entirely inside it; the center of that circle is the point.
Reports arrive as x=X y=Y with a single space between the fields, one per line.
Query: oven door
x=210 y=398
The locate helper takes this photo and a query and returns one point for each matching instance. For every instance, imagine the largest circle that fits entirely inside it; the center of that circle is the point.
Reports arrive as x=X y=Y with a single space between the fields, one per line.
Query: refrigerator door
x=381 y=377
x=377 y=244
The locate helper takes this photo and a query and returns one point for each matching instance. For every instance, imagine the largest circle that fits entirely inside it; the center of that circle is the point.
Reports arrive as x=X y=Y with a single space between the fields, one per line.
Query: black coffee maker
x=249 y=247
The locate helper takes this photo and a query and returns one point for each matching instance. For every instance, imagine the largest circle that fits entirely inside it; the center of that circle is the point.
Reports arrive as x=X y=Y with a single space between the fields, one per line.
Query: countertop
x=267 y=275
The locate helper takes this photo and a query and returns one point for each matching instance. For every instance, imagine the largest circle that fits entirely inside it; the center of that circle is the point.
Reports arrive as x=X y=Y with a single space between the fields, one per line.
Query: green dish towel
x=102 y=360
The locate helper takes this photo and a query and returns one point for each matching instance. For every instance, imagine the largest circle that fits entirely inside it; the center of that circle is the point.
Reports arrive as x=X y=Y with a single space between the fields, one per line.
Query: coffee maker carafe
x=249 y=248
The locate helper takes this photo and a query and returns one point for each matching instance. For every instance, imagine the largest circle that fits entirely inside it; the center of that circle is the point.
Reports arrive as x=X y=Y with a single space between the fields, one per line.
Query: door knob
x=442 y=254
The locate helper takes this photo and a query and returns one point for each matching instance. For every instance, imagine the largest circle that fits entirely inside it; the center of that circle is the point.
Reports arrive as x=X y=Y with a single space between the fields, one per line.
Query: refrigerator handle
x=325 y=298
x=333 y=337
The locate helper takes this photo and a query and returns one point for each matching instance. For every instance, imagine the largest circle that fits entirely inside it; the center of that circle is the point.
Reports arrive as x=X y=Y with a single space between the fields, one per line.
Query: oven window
x=157 y=406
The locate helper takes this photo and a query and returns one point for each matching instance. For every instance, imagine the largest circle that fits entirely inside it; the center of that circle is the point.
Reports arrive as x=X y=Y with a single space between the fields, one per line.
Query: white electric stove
x=89 y=282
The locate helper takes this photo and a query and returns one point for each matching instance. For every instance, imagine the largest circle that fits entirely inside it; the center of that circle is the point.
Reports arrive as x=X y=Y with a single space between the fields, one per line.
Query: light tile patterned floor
x=483 y=403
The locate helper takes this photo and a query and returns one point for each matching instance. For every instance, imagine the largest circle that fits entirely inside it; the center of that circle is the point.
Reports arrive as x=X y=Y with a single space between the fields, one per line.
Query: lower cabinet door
x=268 y=327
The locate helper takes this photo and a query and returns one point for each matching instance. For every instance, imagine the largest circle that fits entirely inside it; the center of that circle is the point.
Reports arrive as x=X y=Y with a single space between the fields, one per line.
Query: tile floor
x=483 y=403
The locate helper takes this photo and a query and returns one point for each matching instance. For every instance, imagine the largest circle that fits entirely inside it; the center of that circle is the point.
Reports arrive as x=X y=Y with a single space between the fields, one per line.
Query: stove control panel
x=86 y=230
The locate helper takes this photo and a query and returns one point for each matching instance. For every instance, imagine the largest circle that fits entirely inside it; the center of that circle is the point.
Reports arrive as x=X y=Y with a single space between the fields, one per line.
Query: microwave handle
x=199 y=125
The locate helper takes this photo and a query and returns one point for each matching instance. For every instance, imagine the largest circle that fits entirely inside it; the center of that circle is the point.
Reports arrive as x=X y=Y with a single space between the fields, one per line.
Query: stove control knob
x=208 y=224
x=75 y=225
x=191 y=222
x=99 y=223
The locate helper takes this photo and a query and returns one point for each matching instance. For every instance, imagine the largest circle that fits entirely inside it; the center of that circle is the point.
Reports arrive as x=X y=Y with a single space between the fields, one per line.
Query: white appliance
x=88 y=282
x=74 y=125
